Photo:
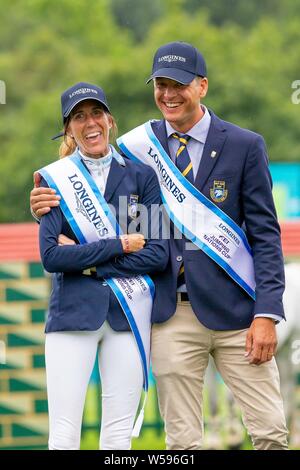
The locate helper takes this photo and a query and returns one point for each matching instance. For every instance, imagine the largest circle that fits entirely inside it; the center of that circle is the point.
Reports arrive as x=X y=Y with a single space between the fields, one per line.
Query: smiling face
x=89 y=125
x=180 y=104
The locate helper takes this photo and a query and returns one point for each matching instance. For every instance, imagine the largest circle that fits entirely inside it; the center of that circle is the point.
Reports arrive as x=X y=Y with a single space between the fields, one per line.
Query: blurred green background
x=252 y=49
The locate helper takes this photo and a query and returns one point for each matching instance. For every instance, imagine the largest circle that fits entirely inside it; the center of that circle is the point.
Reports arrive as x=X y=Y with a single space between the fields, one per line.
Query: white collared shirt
x=98 y=168
x=198 y=134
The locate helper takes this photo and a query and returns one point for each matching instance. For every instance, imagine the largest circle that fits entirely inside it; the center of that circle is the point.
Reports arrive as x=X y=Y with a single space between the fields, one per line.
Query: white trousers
x=70 y=357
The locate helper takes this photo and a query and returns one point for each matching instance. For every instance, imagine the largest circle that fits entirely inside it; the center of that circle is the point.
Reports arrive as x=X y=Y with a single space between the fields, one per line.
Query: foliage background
x=252 y=51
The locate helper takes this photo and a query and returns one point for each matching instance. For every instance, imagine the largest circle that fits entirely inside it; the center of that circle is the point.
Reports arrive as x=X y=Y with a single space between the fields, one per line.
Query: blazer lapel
x=212 y=148
x=211 y=152
x=115 y=176
x=159 y=129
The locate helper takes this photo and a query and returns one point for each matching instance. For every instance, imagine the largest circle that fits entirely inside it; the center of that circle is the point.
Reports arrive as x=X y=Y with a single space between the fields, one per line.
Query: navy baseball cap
x=75 y=94
x=80 y=92
x=179 y=61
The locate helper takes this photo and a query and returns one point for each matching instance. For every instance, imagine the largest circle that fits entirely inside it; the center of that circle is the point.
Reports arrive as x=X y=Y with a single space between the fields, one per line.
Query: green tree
x=136 y=15
x=47 y=46
x=243 y=13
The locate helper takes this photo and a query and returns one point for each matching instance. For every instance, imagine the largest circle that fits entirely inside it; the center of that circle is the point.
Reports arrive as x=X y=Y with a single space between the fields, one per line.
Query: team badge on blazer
x=133 y=206
x=218 y=192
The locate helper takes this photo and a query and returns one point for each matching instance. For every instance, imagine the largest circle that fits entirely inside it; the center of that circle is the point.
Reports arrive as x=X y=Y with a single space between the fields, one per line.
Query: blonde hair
x=68 y=146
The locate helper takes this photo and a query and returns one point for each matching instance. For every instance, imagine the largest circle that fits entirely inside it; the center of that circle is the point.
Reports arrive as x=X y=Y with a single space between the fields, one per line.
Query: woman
x=100 y=190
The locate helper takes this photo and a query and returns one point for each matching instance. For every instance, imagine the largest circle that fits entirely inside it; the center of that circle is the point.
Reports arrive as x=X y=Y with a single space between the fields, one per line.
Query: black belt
x=182 y=297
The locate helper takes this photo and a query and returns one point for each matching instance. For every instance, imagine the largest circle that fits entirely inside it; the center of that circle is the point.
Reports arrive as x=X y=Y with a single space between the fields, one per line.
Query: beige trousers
x=180 y=353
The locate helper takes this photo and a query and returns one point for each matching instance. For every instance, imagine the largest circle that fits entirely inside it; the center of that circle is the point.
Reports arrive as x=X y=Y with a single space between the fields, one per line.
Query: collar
x=105 y=161
x=199 y=131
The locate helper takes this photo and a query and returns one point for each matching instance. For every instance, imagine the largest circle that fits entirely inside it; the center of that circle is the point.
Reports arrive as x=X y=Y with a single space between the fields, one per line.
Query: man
x=206 y=307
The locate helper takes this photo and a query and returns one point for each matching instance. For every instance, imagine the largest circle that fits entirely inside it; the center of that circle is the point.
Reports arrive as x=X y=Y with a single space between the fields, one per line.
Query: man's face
x=180 y=104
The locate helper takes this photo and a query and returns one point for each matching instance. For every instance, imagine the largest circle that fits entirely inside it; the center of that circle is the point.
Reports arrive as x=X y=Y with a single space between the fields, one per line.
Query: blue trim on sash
x=209 y=252
x=186 y=183
x=127 y=152
x=76 y=159
x=65 y=210
x=133 y=326
x=203 y=199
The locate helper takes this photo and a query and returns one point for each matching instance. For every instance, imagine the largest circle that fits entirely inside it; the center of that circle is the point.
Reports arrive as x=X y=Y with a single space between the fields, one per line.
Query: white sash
x=199 y=219
x=91 y=219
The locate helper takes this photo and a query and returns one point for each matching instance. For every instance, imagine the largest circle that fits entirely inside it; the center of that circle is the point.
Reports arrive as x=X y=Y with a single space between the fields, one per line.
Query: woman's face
x=89 y=126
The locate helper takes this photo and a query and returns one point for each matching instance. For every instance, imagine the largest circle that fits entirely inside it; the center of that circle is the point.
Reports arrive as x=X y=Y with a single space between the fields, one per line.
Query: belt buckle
x=182 y=297
x=90 y=272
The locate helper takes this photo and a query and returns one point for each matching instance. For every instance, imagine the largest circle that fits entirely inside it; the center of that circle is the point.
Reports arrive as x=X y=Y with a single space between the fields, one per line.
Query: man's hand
x=42 y=199
x=261 y=341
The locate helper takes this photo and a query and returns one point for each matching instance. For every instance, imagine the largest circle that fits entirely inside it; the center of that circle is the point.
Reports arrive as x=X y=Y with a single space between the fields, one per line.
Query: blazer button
x=179 y=258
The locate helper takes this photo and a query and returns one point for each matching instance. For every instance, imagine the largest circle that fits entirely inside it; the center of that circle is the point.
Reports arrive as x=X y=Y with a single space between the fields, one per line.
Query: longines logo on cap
x=82 y=91
x=172 y=58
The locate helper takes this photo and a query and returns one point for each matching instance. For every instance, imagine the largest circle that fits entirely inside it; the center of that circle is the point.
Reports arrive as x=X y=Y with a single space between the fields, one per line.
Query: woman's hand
x=63 y=240
x=130 y=243
x=133 y=242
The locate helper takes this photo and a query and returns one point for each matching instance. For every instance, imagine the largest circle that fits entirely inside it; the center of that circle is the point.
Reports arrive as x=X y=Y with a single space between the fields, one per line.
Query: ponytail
x=67 y=147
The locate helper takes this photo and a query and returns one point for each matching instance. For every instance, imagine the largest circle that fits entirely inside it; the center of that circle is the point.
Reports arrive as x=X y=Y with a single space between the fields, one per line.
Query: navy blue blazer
x=80 y=302
x=241 y=163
